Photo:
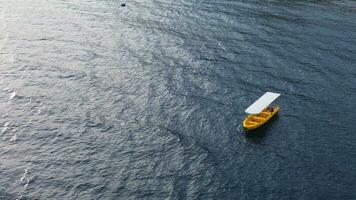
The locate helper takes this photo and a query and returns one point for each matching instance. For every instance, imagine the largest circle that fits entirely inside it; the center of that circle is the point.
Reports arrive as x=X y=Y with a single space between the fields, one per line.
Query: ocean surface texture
x=146 y=101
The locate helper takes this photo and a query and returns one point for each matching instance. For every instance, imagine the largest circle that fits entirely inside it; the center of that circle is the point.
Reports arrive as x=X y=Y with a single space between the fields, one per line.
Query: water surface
x=99 y=101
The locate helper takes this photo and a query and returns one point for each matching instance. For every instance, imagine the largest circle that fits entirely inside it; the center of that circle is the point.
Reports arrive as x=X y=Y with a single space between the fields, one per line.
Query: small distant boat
x=260 y=112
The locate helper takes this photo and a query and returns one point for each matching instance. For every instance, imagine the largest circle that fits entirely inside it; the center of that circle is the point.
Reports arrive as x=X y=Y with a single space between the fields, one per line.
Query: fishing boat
x=260 y=111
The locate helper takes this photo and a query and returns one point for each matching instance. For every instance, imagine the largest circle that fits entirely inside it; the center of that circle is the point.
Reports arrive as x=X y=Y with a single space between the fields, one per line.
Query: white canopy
x=261 y=103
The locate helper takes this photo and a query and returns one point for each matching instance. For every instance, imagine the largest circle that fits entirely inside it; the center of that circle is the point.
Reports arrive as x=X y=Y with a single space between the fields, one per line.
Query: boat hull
x=257 y=120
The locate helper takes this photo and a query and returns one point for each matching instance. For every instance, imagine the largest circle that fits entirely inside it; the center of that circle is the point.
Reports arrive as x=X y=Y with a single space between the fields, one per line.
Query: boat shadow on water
x=257 y=135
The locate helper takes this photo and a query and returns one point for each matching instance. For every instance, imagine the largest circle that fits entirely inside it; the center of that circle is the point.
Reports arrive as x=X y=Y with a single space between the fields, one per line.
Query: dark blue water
x=99 y=101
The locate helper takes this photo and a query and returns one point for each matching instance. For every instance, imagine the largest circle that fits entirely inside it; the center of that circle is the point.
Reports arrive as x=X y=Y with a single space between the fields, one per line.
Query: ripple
x=14 y=138
x=5 y=127
x=13 y=95
x=147 y=101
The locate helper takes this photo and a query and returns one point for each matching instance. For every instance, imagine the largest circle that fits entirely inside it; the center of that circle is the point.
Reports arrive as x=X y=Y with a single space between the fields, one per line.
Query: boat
x=260 y=112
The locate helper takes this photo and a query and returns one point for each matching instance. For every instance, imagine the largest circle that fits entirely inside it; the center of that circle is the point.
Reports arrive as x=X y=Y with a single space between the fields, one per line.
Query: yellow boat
x=256 y=120
x=260 y=112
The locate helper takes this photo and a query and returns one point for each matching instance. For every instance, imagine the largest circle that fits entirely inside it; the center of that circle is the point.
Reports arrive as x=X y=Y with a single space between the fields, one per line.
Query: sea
x=145 y=100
